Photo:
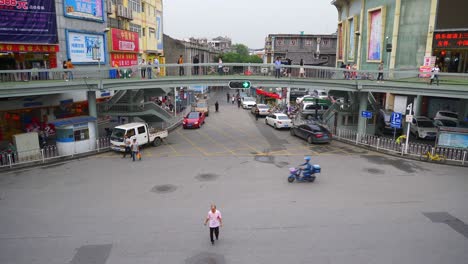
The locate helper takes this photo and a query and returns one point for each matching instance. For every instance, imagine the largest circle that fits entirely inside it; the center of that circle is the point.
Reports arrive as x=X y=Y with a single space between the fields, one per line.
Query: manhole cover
x=265 y=159
x=207 y=176
x=374 y=171
x=165 y=188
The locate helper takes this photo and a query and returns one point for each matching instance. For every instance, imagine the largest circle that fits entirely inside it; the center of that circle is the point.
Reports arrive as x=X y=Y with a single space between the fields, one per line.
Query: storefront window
x=64 y=135
x=82 y=134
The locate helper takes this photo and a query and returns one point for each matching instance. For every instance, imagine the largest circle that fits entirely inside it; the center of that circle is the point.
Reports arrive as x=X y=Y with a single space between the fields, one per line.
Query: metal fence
x=415 y=150
x=44 y=155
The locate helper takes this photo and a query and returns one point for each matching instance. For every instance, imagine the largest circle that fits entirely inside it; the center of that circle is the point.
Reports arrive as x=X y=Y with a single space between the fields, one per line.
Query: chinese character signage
x=124 y=59
x=126 y=41
x=80 y=47
x=28 y=21
x=84 y=9
x=159 y=31
x=374 y=51
x=29 y=48
x=451 y=40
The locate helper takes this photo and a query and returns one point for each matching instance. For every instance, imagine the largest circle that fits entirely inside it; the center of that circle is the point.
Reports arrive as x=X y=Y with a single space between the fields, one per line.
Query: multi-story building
x=316 y=50
x=222 y=44
x=135 y=31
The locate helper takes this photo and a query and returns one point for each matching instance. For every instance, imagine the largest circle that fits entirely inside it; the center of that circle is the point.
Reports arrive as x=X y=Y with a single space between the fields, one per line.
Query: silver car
x=263 y=109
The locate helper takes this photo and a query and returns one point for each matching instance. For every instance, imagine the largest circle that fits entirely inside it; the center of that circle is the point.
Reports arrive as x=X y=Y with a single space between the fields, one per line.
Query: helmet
x=307 y=158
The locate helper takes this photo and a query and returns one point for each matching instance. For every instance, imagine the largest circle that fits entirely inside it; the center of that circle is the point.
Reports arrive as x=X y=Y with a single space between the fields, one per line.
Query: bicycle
x=429 y=157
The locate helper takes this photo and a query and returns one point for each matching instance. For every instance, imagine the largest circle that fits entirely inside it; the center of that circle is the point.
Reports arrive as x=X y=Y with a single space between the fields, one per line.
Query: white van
x=141 y=131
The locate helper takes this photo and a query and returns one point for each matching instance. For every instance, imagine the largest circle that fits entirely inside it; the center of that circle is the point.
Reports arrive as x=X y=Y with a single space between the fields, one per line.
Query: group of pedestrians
x=233 y=99
x=131 y=147
x=147 y=68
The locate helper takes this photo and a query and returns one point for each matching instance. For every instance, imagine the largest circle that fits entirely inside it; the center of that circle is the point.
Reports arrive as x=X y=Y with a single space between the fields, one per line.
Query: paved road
x=364 y=208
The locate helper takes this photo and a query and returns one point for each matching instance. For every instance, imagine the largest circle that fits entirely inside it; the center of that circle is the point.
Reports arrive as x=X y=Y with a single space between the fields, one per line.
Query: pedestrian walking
x=149 y=70
x=380 y=76
x=195 y=66
x=143 y=68
x=277 y=68
x=233 y=99
x=220 y=66
x=288 y=70
x=301 y=69
x=216 y=106
x=238 y=102
x=65 y=73
x=70 y=67
x=215 y=221
x=156 y=67
x=127 y=143
x=181 y=68
x=257 y=113
x=228 y=97
x=435 y=74
x=135 y=150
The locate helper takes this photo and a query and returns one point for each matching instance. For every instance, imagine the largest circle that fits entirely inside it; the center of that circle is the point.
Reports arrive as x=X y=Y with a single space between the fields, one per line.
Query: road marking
x=193 y=144
x=237 y=140
x=216 y=142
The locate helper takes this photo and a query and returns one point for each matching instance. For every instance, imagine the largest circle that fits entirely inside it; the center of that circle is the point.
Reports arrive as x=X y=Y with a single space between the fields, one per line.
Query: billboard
x=84 y=9
x=28 y=21
x=124 y=41
x=351 y=47
x=374 y=48
x=124 y=59
x=80 y=46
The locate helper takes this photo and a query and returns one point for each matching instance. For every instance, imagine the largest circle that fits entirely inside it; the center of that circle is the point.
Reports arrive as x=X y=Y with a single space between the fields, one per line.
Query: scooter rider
x=307 y=171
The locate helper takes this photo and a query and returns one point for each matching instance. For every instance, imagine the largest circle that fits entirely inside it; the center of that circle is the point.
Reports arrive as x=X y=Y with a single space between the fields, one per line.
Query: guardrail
x=415 y=150
x=44 y=155
x=226 y=69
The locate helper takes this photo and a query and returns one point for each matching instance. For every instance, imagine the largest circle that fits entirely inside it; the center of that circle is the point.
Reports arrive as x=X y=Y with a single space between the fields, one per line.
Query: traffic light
x=239 y=84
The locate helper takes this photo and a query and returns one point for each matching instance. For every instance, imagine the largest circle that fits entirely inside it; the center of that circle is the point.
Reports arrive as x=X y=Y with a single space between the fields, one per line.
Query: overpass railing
x=224 y=70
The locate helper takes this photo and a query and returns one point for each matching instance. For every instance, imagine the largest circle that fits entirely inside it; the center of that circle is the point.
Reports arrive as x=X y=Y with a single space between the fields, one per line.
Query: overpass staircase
x=133 y=103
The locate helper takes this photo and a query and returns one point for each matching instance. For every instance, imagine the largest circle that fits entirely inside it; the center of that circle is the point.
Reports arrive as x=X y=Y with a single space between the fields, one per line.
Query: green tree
x=240 y=54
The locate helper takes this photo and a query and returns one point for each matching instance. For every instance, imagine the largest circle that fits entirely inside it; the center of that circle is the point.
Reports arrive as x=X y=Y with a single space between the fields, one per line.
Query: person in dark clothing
x=216 y=106
x=228 y=96
x=238 y=102
x=257 y=113
x=195 y=67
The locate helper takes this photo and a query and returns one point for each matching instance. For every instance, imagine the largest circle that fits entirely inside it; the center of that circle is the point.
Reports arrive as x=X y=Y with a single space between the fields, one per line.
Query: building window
x=152 y=33
x=82 y=134
x=143 y=33
x=112 y=22
x=135 y=28
x=135 y=5
x=375 y=34
x=143 y=7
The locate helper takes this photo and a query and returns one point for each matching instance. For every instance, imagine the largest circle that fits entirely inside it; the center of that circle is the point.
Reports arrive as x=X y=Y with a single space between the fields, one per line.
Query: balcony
x=124 y=12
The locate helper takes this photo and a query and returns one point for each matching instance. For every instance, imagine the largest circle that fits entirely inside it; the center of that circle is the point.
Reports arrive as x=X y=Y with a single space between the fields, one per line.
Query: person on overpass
x=228 y=97
x=216 y=106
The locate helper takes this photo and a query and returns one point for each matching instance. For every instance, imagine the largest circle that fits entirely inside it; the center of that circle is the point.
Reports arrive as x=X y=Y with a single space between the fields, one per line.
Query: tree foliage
x=240 y=54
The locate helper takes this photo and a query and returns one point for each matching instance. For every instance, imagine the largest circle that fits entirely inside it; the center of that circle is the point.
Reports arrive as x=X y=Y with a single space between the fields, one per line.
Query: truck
x=143 y=133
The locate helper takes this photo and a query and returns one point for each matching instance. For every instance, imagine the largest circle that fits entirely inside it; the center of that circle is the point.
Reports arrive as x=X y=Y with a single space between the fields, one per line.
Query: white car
x=278 y=120
x=248 y=102
x=263 y=109
x=423 y=127
x=446 y=115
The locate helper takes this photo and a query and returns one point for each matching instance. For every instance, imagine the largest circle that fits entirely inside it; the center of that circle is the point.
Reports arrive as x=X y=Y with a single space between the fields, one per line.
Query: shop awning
x=267 y=94
x=73 y=120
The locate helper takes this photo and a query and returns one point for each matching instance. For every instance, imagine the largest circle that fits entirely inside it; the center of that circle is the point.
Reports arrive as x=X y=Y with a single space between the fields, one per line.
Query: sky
x=247 y=21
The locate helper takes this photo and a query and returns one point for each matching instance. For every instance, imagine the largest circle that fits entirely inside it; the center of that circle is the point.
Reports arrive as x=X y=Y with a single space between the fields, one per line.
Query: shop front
x=451 y=50
x=124 y=48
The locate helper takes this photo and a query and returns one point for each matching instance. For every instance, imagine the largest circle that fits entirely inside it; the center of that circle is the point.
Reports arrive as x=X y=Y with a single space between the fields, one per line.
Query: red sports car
x=194 y=120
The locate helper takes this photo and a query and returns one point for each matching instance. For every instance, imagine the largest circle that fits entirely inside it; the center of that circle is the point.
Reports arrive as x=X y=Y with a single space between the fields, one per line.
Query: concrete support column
x=363 y=98
x=463 y=113
x=417 y=105
x=92 y=110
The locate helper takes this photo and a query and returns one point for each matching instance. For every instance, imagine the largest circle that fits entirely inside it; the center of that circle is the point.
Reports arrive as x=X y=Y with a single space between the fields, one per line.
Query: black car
x=312 y=132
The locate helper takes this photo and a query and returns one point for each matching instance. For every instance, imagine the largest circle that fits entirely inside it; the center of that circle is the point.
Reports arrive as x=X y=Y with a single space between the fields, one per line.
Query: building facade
x=314 y=50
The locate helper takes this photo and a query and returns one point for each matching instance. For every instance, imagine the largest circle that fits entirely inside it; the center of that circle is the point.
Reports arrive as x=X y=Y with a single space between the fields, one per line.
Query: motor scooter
x=295 y=174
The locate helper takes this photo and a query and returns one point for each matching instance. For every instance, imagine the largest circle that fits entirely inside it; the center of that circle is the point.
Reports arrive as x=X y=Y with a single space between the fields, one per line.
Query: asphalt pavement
x=365 y=207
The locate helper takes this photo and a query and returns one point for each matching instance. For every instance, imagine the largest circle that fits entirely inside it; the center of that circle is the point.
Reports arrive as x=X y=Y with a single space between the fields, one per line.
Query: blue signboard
x=366 y=114
x=395 y=120
x=84 y=9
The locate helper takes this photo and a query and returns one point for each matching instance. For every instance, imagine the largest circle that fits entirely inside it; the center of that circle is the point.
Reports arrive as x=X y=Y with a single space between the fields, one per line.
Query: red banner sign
x=126 y=41
x=28 y=48
x=123 y=59
x=451 y=40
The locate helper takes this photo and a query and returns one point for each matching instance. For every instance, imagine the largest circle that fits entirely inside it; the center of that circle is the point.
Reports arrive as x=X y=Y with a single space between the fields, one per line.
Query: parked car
x=248 y=102
x=445 y=122
x=202 y=106
x=263 y=109
x=141 y=131
x=308 y=109
x=312 y=132
x=194 y=120
x=446 y=115
x=278 y=120
x=423 y=127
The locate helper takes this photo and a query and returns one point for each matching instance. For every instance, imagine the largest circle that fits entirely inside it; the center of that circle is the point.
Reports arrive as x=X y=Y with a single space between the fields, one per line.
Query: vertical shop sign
x=28 y=21
x=374 y=51
x=159 y=31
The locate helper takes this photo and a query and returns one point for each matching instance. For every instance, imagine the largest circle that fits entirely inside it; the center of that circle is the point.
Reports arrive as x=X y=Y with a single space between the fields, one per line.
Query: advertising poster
x=453 y=140
x=351 y=40
x=84 y=9
x=124 y=59
x=28 y=21
x=375 y=36
x=159 y=31
x=124 y=41
x=80 y=47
